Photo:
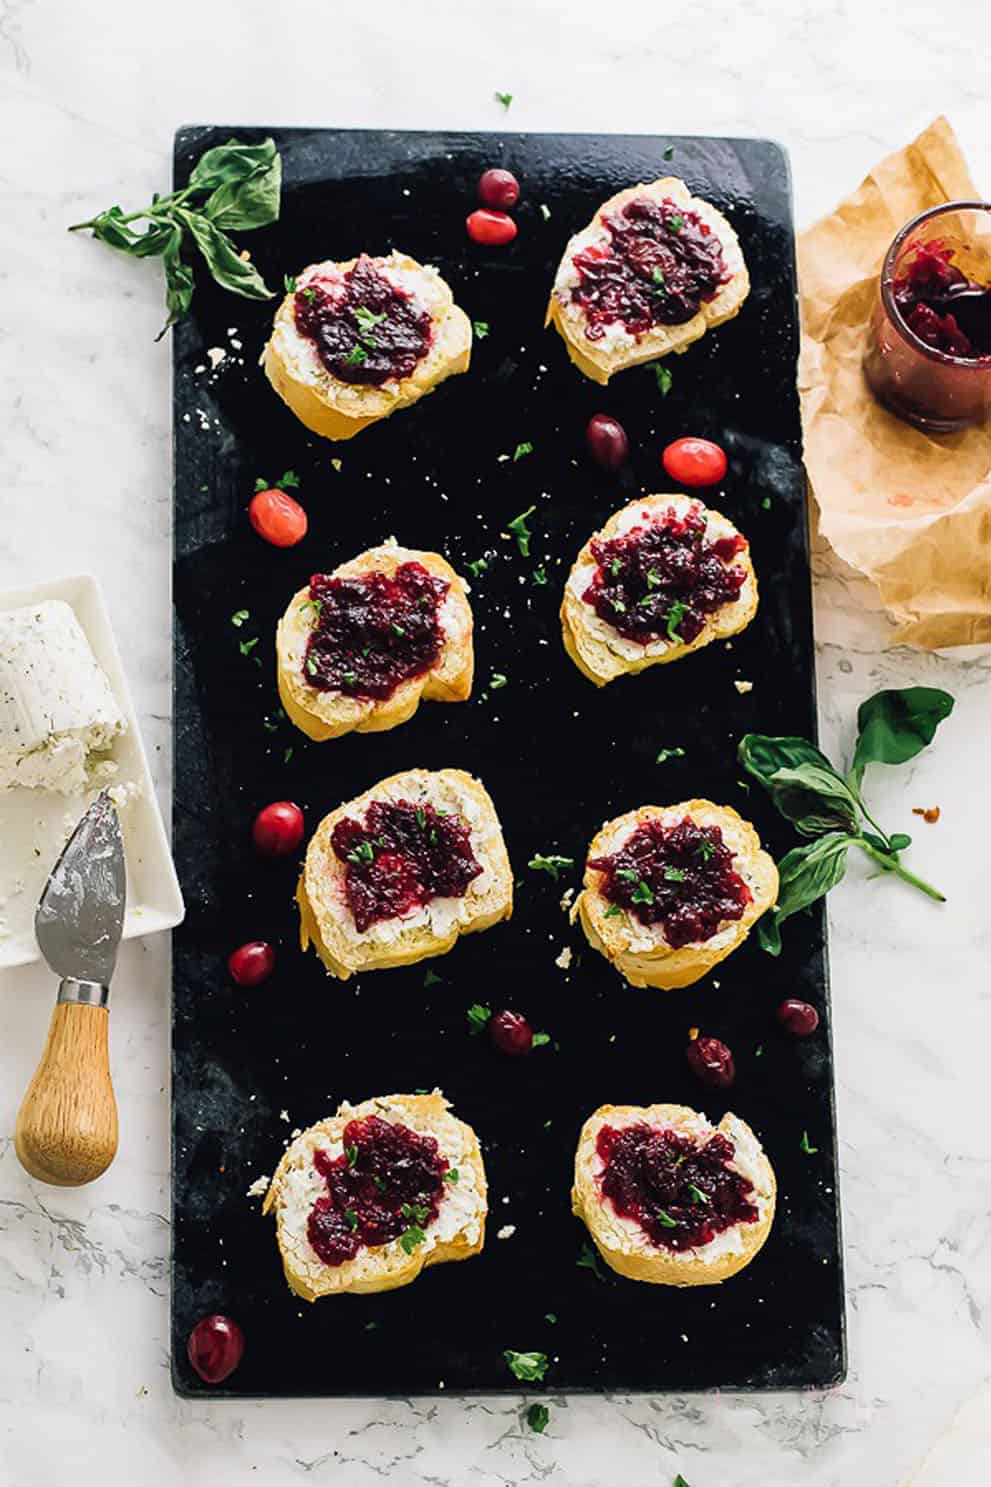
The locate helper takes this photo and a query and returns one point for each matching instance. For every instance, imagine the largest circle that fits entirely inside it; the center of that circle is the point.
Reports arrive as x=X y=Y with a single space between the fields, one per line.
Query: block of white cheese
x=57 y=712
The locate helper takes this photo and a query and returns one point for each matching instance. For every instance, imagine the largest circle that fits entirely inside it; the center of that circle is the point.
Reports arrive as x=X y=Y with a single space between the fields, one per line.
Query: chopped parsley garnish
x=398 y=630
x=498 y=680
x=545 y=211
x=416 y=1211
x=675 y=223
x=675 y=616
x=478 y=566
x=664 y=378
x=309 y=294
x=288 y=754
x=765 y=503
x=351 y=1219
x=351 y=1152
x=349 y=678
x=696 y=1194
x=679 y=1481
x=247 y=646
x=658 y=279
x=674 y=875
x=452 y=1174
x=504 y=98
x=367 y=321
x=363 y=852
x=665 y=1219
x=289 y=481
x=421 y=817
x=538 y=1417
x=289 y=283
x=654 y=579
x=551 y=1316
x=540 y=576
x=481 y=329
x=667 y=153
x=806 y=1146
x=705 y=850
x=521 y=531
x=529 y=1367
x=522 y=450
x=642 y=893
x=613 y=912
x=615 y=567
x=552 y=863
x=539 y=1039
x=356 y=356
x=311 y=666
x=239 y=616
x=619 y=606
x=411 y=1237
x=665 y=754
x=477 y=1016
x=431 y=979
x=589 y=1260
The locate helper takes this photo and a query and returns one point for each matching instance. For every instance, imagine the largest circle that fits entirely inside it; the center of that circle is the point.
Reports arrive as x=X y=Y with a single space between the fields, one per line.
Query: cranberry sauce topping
x=662 y=263
x=402 y=857
x=681 y=1194
x=680 y=877
x=925 y=291
x=373 y=631
x=388 y=1181
x=663 y=579
x=365 y=330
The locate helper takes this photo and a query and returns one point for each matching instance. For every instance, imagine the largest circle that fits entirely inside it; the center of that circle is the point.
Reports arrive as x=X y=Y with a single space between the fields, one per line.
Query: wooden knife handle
x=66 y=1131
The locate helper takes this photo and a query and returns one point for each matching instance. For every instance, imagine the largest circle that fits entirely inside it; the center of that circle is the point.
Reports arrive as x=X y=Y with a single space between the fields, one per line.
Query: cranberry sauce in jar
x=364 y=328
x=679 y=877
x=928 y=351
x=373 y=630
x=401 y=857
x=387 y=1182
x=661 y=264
x=665 y=578
x=680 y=1192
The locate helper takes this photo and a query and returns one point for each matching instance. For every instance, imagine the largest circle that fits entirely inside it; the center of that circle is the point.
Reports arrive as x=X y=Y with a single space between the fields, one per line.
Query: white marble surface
x=89 y=96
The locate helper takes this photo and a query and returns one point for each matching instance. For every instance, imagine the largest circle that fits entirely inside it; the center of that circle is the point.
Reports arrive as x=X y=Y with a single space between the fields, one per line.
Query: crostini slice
x=664 y=577
x=400 y=873
x=670 y=891
x=359 y=648
x=669 y=1198
x=367 y=1199
x=652 y=272
x=354 y=341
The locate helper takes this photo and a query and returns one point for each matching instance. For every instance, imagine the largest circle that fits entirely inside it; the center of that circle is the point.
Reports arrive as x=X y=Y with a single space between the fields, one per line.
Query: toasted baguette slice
x=337 y=409
x=457 y=1233
x=640 y=952
x=322 y=715
x=619 y=348
x=325 y=916
x=599 y=651
x=621 y=1241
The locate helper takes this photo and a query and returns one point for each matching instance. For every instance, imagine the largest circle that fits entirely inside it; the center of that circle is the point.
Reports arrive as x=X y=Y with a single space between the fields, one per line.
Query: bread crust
x=598 y=650
x=642 y=955
x=600 y=361
x=379 y=1267
x=324 y=715
x=622 y=1244
x=325 y=919
x=339 y=410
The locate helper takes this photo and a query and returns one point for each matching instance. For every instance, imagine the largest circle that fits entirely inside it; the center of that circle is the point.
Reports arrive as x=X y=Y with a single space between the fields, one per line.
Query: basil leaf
x=222 y=258
x=802 y=783
x=239 y=205
x=179 y=284
x=894 y=726
x=806 y=874
x=111 y=229
x=233 y=161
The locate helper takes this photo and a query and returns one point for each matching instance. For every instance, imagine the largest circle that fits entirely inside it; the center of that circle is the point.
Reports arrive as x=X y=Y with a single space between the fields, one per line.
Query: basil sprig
x=893 y=726
x=233 y=187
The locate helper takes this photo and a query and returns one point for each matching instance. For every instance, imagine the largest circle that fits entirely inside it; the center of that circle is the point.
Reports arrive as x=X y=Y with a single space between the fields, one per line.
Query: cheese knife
x=66 y=1131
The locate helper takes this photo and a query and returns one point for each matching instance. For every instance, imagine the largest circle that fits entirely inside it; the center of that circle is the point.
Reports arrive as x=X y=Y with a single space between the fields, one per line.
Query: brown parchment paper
x=912 y=511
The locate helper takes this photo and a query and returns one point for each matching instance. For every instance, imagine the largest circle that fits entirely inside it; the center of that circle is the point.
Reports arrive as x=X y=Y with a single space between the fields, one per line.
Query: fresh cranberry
x=278 y=829
x=511 y=1033
x=711 y=1062
x=491 y=228
x=373 y=630
x=251 y=964
x=797 y=1018
x=498 y=189
x=215 y=1348
x=277 y=518
x=607 y=441
x=695 y=462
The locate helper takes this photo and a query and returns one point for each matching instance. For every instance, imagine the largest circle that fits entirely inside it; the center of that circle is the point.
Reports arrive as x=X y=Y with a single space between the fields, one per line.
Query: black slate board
x=557 y=755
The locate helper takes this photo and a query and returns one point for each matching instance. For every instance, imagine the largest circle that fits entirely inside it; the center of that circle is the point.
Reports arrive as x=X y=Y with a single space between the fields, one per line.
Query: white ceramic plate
x=35 y=825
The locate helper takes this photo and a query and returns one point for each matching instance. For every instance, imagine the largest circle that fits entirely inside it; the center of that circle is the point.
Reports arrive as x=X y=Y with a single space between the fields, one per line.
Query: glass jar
x=926 y=361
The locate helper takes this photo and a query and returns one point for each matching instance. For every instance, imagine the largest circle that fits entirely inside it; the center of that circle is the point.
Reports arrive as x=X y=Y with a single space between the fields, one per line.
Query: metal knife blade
x=80 y=915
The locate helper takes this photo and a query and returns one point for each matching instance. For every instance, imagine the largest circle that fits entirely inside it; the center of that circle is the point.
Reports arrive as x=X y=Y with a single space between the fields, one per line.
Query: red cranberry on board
x=491 y=228
x=511 y=1033
x=215 y=1348
x=251 y=964
x=694 y=462
x=278 y=829
x=798 y=1019
x=711 y=1062
x=498 y=189
x=277 y=518
x=607 y=441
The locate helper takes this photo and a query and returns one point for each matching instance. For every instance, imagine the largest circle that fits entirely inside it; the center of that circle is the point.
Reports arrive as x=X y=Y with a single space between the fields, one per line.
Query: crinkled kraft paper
x=910 y=510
